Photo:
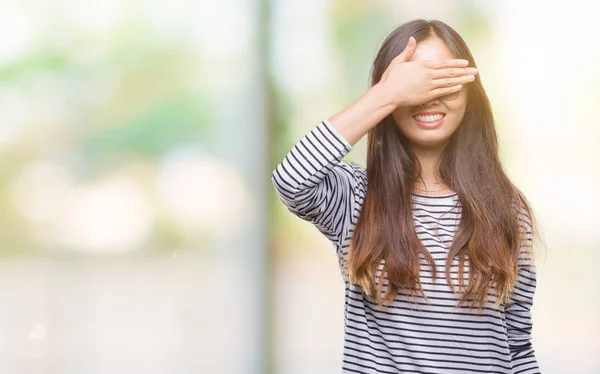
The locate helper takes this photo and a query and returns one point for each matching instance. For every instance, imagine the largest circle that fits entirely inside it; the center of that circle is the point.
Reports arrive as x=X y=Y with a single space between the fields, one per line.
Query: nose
x=435 y=100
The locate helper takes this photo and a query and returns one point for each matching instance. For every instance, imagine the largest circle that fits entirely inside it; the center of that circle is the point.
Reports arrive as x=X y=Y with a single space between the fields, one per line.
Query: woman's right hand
x=411 y=83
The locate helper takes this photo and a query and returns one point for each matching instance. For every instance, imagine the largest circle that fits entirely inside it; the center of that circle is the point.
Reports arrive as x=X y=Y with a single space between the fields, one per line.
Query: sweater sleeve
x=518 y=311
x=315 y=185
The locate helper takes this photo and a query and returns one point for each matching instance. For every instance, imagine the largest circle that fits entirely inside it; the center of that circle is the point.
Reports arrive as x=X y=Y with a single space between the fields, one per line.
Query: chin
x=429 y=140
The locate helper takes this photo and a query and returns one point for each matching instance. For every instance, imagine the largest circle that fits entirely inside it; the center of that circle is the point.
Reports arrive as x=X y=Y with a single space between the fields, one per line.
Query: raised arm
x=316 y=185
x=313 y=182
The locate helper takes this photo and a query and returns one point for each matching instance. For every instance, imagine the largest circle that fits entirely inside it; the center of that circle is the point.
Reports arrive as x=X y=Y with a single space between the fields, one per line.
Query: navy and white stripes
x=412 y=335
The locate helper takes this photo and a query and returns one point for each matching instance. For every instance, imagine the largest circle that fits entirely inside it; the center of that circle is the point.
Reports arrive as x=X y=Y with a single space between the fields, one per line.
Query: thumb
x=408 y=50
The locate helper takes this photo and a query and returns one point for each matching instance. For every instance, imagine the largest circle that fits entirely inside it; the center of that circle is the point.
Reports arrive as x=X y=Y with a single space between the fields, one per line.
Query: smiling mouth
x=429 y=117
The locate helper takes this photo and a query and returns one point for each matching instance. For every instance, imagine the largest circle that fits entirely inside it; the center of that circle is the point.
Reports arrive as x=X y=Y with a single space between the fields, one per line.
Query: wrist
x=381 y=95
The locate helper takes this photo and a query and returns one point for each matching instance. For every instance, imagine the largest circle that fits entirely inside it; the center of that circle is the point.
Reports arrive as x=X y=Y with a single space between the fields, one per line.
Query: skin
x=428 y=144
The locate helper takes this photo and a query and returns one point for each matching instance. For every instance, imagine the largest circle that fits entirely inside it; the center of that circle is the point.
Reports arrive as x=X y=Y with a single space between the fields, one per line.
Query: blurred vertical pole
x=243 y=136
x=265 y=268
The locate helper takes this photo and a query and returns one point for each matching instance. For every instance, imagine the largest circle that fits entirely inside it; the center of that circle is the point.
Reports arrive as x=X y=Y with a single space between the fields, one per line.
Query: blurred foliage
x=359 y=28
x=176 y=121
x=123 y=98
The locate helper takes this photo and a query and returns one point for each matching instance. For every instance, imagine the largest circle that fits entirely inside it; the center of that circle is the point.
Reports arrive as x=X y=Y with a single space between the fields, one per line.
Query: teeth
x=429 y=118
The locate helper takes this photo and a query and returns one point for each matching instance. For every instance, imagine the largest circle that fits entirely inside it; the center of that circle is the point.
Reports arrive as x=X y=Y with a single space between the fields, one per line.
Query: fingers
x=444 y=64
x=452 y=72
x=408 y=51
x=449 y=82
x=445 y=90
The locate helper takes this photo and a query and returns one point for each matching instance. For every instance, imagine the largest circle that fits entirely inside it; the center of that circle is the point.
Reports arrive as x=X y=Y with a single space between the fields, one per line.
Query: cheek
x=401 y=116
x=459 y=112
x=455 y=121
x=457 y=109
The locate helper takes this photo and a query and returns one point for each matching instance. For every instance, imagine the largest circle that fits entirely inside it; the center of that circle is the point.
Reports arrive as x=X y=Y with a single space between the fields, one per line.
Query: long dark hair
x=497 y=222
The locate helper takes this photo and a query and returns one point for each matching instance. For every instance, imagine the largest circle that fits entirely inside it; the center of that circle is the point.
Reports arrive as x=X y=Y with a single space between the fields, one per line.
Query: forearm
x=358 y=118
x=315 y=184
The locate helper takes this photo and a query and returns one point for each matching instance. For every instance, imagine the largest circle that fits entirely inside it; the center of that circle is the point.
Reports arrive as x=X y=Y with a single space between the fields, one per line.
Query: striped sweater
x=412 y=335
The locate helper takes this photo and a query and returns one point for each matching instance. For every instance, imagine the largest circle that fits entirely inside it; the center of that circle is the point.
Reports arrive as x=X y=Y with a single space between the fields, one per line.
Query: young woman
x=436 y=253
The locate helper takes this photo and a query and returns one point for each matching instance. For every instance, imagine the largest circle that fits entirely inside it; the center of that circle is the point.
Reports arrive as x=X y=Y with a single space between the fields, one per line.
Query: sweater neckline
x=435 y=196
x=453 y=197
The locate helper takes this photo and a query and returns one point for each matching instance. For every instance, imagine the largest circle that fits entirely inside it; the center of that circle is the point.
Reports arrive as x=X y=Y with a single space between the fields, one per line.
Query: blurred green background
x=140 y=230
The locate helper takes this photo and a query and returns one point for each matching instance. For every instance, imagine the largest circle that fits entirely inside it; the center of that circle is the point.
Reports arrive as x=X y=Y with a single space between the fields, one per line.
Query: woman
x=436 y=253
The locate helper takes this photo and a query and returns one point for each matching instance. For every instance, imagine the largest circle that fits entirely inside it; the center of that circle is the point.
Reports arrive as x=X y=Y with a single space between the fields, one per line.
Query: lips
x=429 y=116
x=429 y=120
